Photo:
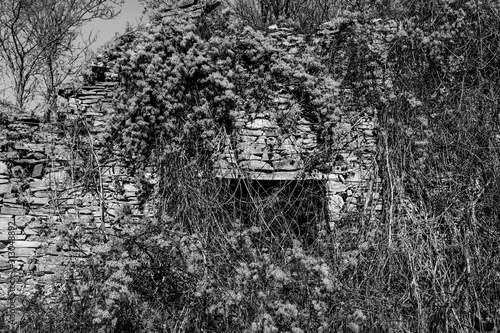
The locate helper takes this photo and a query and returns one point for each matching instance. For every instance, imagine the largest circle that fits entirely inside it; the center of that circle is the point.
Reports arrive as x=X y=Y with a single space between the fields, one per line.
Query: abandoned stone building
x=43 y=195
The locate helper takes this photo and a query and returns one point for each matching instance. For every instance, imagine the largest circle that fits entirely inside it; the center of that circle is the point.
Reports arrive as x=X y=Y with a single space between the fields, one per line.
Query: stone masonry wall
x=57 y=192
x=263 y=150
x=55 y=183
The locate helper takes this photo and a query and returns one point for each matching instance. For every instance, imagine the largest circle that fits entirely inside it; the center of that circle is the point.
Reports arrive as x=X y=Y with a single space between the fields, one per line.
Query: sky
x=131 y=11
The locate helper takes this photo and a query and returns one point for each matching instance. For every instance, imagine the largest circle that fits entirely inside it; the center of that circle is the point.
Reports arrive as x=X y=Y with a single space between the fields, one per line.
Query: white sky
x=131 y=12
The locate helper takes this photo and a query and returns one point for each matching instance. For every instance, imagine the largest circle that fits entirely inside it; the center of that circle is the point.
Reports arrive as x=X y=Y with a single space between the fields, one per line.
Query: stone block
x=91 y=100
x=12 y=200
x=335 y=205
x=5 y=220
x=27 y=244
x=334 y=187
x=129 y=188
x=30 y=232
x=4 y=265
x=256 y=165
x=39 y=185
x=288 y=165
x=250 y=132
x=250 y=157
x=129 y=195
x=3 y=168
x=38 y=201
x=5 y=188
x=12 y=211
x=36 y=147
x=42 y=194
x=260 y=124
x=23 y=221
x=252 y=150
x=276 y=175
x=37 y=171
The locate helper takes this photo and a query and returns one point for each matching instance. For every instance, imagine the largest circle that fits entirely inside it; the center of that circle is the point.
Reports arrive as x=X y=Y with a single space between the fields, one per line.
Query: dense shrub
x=213 y=262
x=182 y=85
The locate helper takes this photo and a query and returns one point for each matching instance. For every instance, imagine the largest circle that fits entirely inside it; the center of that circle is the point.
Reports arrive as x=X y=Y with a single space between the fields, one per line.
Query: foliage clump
x=213 y=262
x=182 y=84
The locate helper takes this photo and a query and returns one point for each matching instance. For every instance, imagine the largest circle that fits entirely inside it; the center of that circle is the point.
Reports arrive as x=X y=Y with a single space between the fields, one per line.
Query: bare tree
x=308 y=14
x=38 y=38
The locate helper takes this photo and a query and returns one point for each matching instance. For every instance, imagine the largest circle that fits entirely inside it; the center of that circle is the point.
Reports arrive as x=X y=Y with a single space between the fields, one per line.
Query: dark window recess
x=298 y=207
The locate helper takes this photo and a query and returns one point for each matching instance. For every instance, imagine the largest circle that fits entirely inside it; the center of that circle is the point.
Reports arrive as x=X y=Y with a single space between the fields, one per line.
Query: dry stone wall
x=262 y=149
x=58 y=193
x=58 y=190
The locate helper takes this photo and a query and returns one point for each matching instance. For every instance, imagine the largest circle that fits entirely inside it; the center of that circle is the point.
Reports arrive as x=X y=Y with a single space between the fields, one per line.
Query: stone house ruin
x=42 y=197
